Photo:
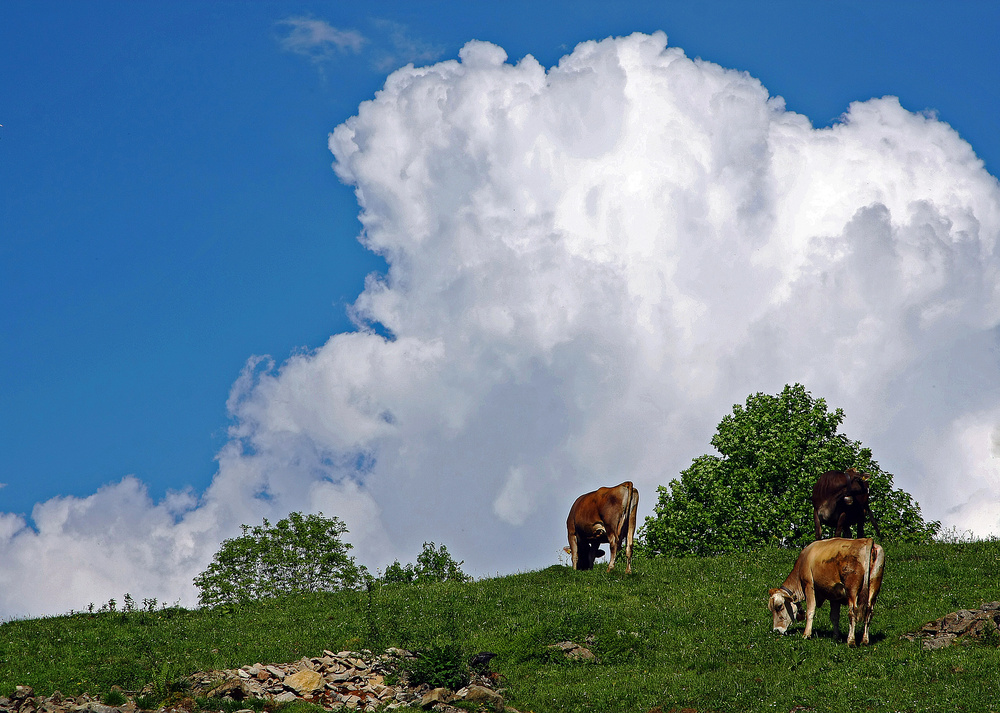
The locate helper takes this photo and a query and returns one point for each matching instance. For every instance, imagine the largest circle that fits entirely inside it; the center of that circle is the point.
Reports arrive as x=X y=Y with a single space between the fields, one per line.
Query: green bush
x=439 y=666
x=301 y=553
x=758 y=491
x=433 y=565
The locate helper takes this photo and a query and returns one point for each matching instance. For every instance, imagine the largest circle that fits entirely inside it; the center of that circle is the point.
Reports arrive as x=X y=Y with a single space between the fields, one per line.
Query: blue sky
x=168 y=207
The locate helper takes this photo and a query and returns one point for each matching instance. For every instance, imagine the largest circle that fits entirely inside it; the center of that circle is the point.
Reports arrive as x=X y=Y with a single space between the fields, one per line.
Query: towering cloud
x=588 y=265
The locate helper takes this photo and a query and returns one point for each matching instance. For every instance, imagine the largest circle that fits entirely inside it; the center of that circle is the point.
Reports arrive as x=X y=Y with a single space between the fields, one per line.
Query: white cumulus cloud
x=588 y=266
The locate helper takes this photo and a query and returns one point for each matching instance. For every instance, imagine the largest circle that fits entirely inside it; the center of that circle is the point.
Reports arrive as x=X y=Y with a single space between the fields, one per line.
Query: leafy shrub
x=433 y=565
x=439 y=666
x=301 y=553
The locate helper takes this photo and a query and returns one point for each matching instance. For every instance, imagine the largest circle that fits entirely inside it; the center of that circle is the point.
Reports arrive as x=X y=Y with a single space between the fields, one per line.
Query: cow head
x=853 y=473
x=784 y=610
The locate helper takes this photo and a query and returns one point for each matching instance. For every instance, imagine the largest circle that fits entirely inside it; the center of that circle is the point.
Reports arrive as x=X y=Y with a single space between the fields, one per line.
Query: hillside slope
x=678 y=633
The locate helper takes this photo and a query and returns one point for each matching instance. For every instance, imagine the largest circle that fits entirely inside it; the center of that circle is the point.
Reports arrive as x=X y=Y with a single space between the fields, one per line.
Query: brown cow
x=840 y=500
x=841 y=570
x=605 y=515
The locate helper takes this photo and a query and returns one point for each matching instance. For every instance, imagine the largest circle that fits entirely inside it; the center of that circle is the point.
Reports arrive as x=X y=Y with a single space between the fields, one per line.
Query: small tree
x=301 y=553
x=759 y=491
x=433 y=565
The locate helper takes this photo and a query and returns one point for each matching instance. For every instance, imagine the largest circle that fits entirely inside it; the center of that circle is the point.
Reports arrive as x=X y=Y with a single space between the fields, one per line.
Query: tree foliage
x=758 y=490
x=433 y=565
x=301 y=553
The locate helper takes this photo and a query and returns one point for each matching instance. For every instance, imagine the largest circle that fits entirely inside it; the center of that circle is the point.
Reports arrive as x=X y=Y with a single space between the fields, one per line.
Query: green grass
x=681 y=633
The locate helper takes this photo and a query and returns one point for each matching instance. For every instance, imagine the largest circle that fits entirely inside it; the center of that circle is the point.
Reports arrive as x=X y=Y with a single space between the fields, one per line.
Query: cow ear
x=775 y=600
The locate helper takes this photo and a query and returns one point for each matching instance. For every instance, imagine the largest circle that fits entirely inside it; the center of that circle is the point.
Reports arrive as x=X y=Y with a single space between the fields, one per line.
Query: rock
x=305 y=681
x=232 y=688
x=574 y=650
x=95 y=707
x=481 y=694
x=939 y=642
x=275 y=672
x=286 y=697
x=437 y=695
x=953 y=627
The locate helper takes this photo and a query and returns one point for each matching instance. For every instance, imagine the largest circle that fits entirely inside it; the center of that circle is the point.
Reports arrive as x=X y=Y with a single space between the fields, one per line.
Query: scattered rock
x=965 y=623
x=573 y=650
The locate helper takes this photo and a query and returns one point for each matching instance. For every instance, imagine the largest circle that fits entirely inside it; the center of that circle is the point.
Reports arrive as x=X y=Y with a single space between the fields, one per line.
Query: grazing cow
x=605 y=515
x=840 y=500
x=841 y=570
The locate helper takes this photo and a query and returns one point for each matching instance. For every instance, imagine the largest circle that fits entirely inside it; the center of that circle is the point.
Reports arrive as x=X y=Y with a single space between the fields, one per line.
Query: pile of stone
x=349 y=681
x=966 y=623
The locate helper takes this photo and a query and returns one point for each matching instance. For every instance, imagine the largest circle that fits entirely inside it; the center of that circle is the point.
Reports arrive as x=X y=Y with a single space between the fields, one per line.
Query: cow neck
x=790 y=593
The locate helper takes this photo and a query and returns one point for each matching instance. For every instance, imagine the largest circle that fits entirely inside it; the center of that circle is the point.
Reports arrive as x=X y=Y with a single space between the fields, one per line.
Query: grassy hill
x=679 y=633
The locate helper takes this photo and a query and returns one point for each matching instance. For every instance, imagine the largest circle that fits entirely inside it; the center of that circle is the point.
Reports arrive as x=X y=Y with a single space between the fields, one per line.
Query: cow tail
x=877 y=563
x=622 y=530
x=868 y=558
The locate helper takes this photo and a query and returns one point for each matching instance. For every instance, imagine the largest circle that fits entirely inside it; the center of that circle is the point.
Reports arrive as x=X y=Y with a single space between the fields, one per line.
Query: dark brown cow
x=841 y=570
x=605 y=515
x=840 y=500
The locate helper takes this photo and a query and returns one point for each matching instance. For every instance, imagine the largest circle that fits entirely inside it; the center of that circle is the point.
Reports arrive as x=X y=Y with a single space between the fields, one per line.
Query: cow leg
x=613 y=546
x=874 y=585
x=852 y=619
x=810 y=611
x=841 y=524
x=588 y=553
x=835 y=619
x=630 y=530
x=864 y=616
x=819 y=528
x=861 y=528
x=574 y=550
